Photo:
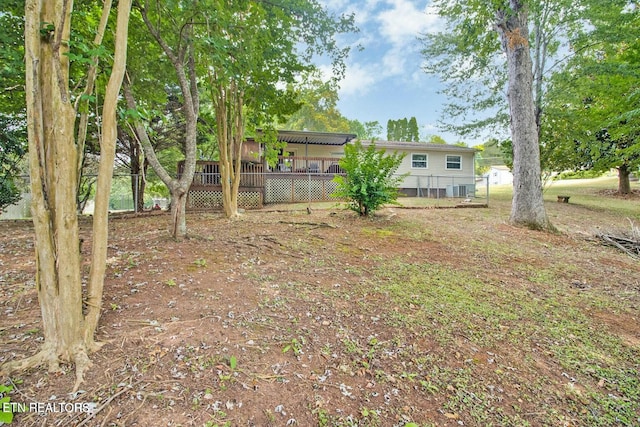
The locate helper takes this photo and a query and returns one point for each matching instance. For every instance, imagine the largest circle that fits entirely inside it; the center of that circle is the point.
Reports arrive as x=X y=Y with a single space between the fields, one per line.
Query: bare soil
x=278 y=318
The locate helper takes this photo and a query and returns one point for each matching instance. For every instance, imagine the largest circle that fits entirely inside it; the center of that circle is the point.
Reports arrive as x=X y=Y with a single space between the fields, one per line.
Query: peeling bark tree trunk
x=53 y=160
x=527 y=206
x=105 y=174
x=230 y=131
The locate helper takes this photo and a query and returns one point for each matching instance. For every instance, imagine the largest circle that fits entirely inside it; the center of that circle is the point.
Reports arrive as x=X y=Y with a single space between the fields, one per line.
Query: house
x=434 y=170
x=499 y=175
x=305 y=170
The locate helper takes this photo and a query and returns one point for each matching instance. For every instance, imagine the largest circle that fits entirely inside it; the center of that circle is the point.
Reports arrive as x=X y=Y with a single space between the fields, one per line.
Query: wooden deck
x=293 y=179
x=252 y=174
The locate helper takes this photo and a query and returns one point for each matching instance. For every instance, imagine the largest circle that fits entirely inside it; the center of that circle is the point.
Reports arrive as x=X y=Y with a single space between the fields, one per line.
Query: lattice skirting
x=291 y=190
x=206 y=199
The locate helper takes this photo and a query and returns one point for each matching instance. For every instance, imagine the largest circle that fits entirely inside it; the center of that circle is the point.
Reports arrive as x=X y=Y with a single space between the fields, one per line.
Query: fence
x=296 y=187
x=440 y=186
x=277 y=187
x=124 y=191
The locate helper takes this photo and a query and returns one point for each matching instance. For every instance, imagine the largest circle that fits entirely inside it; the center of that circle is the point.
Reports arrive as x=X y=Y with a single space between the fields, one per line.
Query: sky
x=384 y=80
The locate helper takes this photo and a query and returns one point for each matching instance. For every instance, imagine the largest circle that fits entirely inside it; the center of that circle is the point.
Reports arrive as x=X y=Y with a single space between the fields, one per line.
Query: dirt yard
x=429 y=317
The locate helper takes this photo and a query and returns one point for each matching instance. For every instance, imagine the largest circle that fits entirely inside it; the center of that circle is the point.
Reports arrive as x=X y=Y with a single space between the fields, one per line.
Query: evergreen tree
x=390 y=129
x=414 y=133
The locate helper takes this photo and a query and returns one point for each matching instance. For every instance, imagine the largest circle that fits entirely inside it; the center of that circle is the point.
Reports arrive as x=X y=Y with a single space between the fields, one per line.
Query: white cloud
x=397 y=26
x=393 y=62
x=404 y=21
x=358 y=79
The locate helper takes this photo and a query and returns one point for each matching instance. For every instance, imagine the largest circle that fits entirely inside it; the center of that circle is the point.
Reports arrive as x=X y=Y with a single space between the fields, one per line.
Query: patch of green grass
x=448 y=303
x=377 y=232
x=200 y=262
x=582 y=192
x=295 y=345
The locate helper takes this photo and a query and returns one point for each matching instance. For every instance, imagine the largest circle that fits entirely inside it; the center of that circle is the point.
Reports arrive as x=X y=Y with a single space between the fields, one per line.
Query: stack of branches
x=627 y=242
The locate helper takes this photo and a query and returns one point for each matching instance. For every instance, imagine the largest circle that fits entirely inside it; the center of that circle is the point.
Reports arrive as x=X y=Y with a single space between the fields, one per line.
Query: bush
x=9 y=193
x=369 y=182
x=579 y=174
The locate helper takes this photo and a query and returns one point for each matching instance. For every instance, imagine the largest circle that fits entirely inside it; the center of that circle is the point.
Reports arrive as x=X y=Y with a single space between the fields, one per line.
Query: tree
x=489 y=154
x=318 y=105
x=593 y=107
x=476 y=45
x=403 y=130
x=12 y=149
x=468 y=58
x=436 y=139
x=166 y=126
x=391 y=125
x=173 y=31
x=527 y=204
x=413 y=133
x=241 y=52
x=369 y=182
x=12 y=111
x=365 y=131
x=51 y=115
x=592 y=125
x=255 y=47
x=318 y=111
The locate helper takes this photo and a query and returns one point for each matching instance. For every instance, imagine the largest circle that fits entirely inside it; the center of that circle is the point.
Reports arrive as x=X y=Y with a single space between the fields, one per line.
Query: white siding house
x=435 y=170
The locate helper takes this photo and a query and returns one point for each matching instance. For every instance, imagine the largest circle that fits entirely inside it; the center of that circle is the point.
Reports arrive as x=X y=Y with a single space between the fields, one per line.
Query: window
x=454 y=162
x=419 y=161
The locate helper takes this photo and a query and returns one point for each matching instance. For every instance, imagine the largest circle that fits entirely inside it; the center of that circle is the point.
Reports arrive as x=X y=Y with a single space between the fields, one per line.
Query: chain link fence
x=124 y=191
x=278 y=188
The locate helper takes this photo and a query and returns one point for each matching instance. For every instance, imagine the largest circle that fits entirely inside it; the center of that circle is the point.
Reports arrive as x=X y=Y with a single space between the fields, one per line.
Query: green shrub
x=9 y=193
x=579 y=174
x=369 y=181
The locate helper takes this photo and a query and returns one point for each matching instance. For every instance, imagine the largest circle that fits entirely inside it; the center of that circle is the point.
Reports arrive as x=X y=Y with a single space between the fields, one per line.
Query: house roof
x=317 y=138
x=401 y=145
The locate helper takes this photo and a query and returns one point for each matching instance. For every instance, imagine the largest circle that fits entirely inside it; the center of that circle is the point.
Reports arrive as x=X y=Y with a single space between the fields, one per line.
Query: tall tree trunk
x=68 y=334
x=182 y=59
x=178 y=212
x=624 y=184
x=137 y=168
x=82 y=101
x=178 y=188
x=527 y=204
x=105 y=174
x=52 y=162
x=142 y=185
x=230 y=133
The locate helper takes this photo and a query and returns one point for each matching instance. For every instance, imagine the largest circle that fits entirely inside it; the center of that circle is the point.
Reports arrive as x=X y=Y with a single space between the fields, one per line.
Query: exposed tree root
x=44 y=356
x=47 y=356
x=83 y=363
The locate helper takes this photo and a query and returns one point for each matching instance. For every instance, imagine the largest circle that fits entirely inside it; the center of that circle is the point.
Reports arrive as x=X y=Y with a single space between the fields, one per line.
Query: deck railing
x=252 y=174
x=314 y=165
x=208 y=174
